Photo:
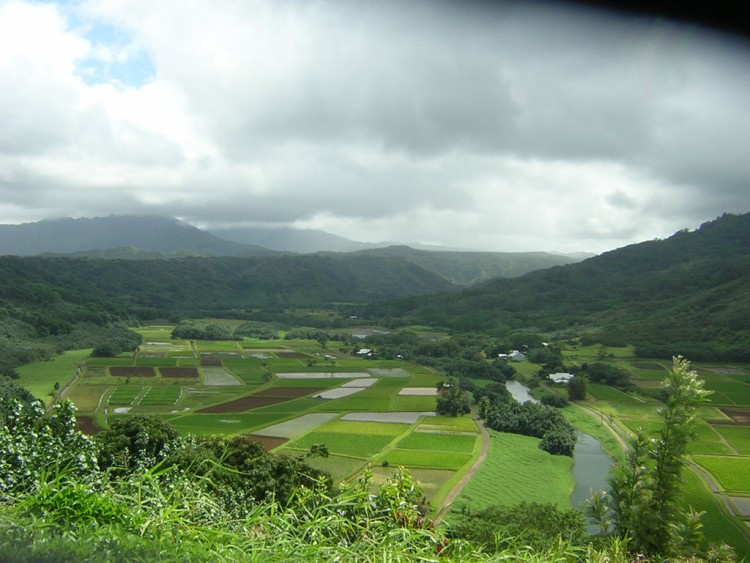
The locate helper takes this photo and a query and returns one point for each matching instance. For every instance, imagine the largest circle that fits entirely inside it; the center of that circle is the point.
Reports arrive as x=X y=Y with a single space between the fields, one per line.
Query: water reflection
x=590 y=469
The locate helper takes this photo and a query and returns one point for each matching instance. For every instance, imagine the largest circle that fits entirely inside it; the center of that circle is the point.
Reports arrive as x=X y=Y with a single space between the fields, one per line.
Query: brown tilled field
x=124 y=371
x=87 y=425
x=210 y=361
x=178 y=372
x=244 y=404
x=740 y=417
x=267 y=442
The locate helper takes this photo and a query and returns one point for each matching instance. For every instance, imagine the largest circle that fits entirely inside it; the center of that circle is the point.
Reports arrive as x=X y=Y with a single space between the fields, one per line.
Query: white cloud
x=496 y=126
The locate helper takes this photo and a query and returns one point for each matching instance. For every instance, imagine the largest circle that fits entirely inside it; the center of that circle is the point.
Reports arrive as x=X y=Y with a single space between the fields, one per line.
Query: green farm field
x=718 y=446
x=457 y=443
x=738 y=437
x=437 y=450
x=517 y=470
x=40 y=377
x=732 y=472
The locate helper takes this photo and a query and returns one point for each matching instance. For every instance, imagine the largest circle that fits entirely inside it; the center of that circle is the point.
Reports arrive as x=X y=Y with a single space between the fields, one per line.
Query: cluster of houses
x=516 y=356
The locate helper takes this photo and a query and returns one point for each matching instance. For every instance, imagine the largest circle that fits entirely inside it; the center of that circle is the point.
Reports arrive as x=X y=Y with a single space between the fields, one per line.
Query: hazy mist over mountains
x=151 y=237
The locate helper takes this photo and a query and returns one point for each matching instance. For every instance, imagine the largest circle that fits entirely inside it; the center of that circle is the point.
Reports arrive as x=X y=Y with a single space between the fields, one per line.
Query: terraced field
x=289 y=398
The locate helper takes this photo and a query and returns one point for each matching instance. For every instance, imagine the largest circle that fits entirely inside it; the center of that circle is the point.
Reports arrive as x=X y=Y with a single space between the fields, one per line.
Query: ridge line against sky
x=499 y=126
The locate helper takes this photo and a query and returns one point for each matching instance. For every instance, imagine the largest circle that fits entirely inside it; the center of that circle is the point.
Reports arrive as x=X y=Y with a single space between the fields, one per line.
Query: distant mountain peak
x=147 y=233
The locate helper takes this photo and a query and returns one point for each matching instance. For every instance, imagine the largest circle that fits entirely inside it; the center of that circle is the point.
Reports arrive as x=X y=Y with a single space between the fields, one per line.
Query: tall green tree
x=643 y=501
x=577 y=388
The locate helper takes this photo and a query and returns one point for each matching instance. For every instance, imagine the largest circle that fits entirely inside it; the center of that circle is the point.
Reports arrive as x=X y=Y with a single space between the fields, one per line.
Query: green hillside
x=469 y=268
x=687 y=294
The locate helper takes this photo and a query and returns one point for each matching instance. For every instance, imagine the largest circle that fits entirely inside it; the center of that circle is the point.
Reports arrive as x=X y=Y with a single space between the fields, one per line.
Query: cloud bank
x=496 y=126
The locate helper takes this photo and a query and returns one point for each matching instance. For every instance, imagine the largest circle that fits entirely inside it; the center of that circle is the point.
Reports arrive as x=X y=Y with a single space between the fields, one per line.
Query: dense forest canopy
x=688 y=294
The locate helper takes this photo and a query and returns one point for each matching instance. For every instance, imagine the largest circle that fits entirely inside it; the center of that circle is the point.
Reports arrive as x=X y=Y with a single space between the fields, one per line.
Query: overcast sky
x=487 y=125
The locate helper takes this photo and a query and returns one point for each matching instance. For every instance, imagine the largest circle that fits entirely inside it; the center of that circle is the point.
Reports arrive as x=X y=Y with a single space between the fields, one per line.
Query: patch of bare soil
x=210 y=361
x=244 y=404
x=87 y=425
x=134 y=371
x=268 y=442
x=740 y=417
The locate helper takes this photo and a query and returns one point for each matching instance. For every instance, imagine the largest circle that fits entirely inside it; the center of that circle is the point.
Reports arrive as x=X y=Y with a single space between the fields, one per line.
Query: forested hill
x=152 y=238
x=199 y=286
x=686 y=294
x=470 y=268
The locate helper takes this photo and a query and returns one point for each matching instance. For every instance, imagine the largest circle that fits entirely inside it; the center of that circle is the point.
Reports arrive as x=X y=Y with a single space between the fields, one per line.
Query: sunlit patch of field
x=391 y=429
x=356 y=445
x=125 y=395
x=459 y=443
x=732 y=472
x=449 y=423
x=737 y=436
x=425 y=458
x=414 y=403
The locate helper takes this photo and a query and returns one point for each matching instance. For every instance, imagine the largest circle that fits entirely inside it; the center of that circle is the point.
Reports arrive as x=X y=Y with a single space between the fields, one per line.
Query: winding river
x=590 y=463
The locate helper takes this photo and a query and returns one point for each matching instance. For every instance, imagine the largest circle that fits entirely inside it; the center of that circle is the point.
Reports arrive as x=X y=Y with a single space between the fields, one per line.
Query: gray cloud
x=505 y=126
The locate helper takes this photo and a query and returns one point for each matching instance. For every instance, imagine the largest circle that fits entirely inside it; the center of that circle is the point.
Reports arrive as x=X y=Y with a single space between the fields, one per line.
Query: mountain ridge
x=154 y=237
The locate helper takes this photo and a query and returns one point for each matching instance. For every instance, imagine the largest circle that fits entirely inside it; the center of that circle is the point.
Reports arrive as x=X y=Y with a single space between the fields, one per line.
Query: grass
x=338 y=467
x=96 y=362
x=354 y=445
x=155 y=333
x=718 y=526
x=408 y=403
x=610 y=394
x=85 y=397
x=706 y=439
x=517 y=470
x=232 y=423
x=425 y=458
x=123 y=396
x=162 y=395
x=373 y=428
x=40 y=377
x=593 y=426
x=732 y=472
x=380 y=397
x=729 y=393
x=156 y=362
x=450 y=424
x=458 y=443
x=217 y=346
x=250 y=370
x=737 y=436
x=430 y=480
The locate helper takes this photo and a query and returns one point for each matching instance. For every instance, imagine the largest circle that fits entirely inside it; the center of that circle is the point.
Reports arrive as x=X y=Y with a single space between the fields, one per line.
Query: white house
x=561 y=377
x=516 y=356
